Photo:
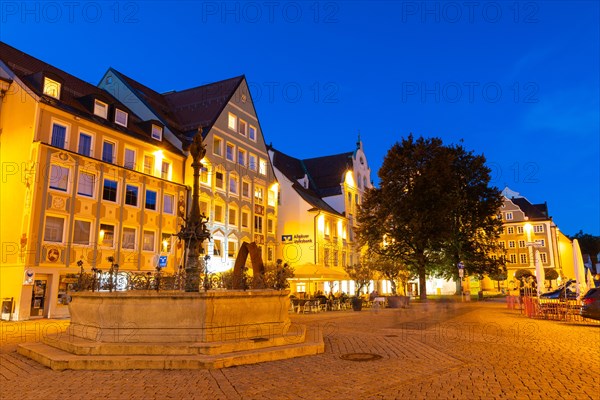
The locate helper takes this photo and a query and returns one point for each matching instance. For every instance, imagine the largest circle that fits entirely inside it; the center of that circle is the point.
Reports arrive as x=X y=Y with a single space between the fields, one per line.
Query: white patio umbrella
x=540 y=274
x=579 y=269
x=589 y=278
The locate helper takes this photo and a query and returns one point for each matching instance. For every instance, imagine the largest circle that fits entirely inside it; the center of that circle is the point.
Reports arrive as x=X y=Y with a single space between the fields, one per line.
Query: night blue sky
x=517 y=81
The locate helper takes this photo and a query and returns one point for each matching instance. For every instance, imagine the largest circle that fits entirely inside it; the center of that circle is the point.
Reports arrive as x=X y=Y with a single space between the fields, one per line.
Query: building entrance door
x=38 y=297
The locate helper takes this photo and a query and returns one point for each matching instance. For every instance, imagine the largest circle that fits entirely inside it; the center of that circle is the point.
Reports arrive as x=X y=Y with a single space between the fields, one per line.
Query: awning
x=319 y=272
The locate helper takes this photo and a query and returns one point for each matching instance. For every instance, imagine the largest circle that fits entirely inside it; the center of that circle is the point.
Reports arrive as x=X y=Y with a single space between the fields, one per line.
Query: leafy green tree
x=433 y=208
x=392 y=270
x=361 y=274
x=589 y=244
x=498 y=276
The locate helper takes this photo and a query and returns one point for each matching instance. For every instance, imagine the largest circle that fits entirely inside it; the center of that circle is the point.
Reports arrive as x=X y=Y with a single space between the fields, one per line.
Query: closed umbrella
x=579 y=269
x=589 y=278
x=540 y=274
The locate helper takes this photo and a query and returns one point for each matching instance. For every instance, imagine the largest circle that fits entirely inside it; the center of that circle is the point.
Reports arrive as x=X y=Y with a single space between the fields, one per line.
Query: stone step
x=80 y=346
x=58 y=359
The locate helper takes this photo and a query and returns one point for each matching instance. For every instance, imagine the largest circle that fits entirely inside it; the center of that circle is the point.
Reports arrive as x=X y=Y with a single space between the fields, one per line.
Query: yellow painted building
x=319 y=201
x=83 y=178
x=528 y=232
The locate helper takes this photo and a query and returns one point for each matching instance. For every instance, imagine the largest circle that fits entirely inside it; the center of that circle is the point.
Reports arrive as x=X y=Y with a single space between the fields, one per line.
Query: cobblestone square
x=428 y=351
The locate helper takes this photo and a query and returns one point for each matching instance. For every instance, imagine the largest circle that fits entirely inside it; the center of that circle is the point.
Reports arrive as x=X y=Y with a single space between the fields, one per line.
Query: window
x=148 y=241
x=521 y=243
x=233 y=184
x=204 y=208
x=148 y=164
x=168 y=203
x=204 y=175
x=231 y=248
x=511 y=230
x=258 y=195
x=356 y=198
x=54 y=229
x=108 y=151
x=243 y=126
x=326 y=257
x=219 y=182
x=107 y=235
x=219 y=213
x=230 y=152
x=519 y=229
x=165 y=242
x=513 y=258
x=252 y=162
x=538 y=228
x=131 y=195
x=262 y=166
x=232 y=216
x=59 y=178
x=81 y=232
x=543 y=258
x=258 y=223
x=217 y=243
x=100 y=108
x=109 y=192
x=86 y=185
x=217 y=146
x=246 y=189
x=271 y=197
x=241 y=157
x=335 y=258
x=121 y=117
x=541 y=242
x=51 y=88
x=129 y=159
x=59 y=135
x=523 y=258
x=165 y=170
x=150 y=200
x=511 y=244
x=270 y=226
x=245 y=220
x=252 y=133
x=128 y=238
x=270 y=253
x=85 y=144
x=157 y=132
x=509 y=216
x=232 y=121
x=502 y=244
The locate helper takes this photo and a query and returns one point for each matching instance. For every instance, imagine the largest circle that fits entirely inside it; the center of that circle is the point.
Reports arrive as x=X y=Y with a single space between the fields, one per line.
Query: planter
x=356 y=303
x=398 y=301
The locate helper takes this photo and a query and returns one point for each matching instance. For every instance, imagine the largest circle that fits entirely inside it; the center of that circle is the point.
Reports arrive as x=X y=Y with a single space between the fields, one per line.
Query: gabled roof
x=325 y=174
x=75 y=93
x=532 y=211
x=185 y=111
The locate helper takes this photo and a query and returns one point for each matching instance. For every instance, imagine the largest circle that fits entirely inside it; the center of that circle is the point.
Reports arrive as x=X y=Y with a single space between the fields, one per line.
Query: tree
x=433 y=208
x=394 y=271
x=550 y=274
x=498 y=277
x=589 y=244
x=474 y=228
x=361 y=274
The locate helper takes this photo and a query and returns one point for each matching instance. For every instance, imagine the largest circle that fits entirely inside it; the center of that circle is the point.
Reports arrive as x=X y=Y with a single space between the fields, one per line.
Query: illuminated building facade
x=238 y=187
x=528 y=231
x=319 y=201
x=83 y=179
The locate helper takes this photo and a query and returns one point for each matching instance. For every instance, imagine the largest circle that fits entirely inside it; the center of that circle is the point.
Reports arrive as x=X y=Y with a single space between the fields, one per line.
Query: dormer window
x=51 y=88
x=157 y=132
x=100 y=108
x=121 y=117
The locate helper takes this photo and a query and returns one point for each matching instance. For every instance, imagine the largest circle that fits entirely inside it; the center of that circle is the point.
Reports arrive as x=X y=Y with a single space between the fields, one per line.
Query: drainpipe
x=316 y=243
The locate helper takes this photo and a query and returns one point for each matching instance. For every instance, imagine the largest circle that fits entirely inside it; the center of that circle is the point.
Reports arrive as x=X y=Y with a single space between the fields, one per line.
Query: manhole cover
x=391 y=335
x=260 y=339
x=360 y=357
